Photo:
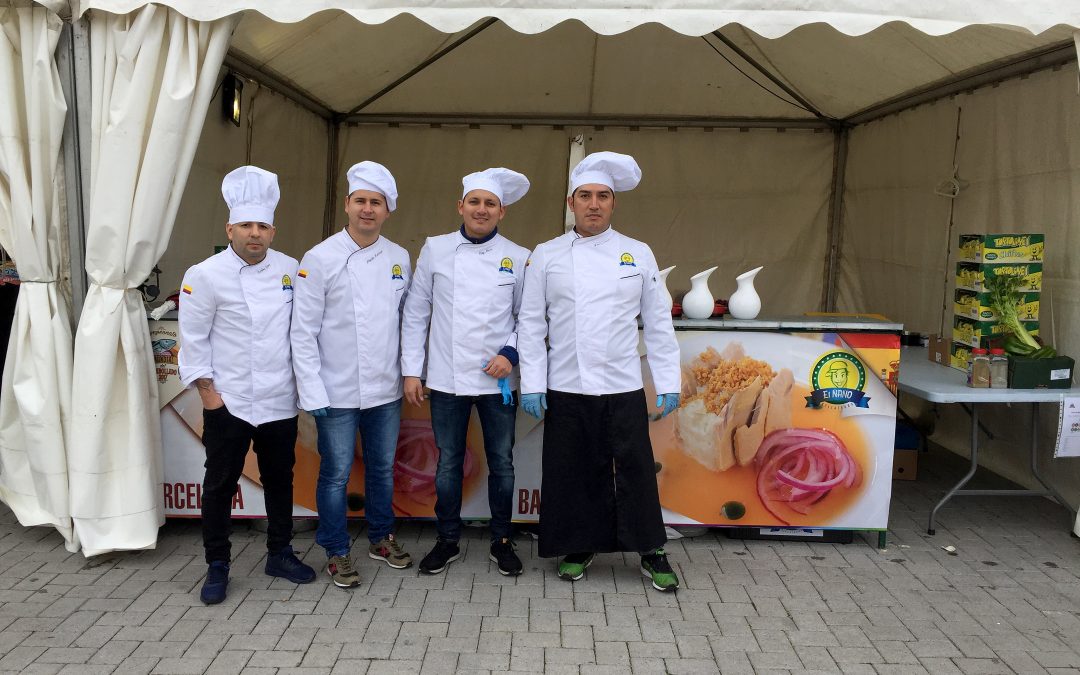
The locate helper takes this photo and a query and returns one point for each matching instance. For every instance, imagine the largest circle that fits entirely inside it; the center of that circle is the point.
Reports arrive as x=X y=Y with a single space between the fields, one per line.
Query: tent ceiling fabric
x=768 y=18
x=570 y=70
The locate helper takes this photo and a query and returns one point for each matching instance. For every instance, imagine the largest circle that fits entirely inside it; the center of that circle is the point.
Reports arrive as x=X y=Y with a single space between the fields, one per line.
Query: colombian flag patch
x=187 y=289
x=302 y=274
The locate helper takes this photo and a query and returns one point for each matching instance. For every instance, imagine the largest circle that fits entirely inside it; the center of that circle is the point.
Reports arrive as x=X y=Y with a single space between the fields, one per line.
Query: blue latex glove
x=534 y=404
x=319 y=412
x=504 y=387
x=668 y=402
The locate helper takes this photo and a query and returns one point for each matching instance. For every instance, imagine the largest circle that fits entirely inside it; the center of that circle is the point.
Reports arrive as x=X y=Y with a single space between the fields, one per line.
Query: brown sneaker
x=390 y=551
x=341 y=570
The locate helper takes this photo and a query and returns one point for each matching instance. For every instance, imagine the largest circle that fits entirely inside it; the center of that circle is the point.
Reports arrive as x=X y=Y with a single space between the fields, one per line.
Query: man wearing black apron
x=584 y=292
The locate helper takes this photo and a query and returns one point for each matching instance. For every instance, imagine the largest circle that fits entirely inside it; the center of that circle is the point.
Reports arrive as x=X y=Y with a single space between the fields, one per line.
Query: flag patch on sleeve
x=187 y=289
x=302 y=274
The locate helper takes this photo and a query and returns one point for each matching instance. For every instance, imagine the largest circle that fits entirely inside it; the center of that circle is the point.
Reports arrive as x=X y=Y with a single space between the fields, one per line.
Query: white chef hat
x=252 y=194
x=509 y=186
x=375 y=177
x=618 y=172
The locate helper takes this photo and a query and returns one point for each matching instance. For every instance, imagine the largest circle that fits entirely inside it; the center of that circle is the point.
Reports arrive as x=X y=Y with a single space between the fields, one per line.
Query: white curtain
x=153 y=75
x=35 y=401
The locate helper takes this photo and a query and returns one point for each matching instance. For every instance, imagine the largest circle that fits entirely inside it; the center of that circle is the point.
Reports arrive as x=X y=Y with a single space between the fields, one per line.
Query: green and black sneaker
x=573 y=566
x=655 y=566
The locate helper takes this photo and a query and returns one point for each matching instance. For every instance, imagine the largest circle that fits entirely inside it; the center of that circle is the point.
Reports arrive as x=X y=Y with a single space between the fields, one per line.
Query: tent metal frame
x=74 y=58
x=73 y=66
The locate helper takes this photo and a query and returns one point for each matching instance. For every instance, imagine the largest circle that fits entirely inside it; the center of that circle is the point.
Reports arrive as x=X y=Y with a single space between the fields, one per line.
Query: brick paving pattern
x=1006 y=601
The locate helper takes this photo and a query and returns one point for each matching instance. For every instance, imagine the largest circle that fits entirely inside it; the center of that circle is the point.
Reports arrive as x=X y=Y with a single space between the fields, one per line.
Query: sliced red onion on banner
x=418 y=457
x=799 y=467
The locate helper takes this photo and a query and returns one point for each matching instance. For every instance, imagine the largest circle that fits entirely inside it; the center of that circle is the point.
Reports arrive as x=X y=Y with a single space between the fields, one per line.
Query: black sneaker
x=217 y=580
x=286 y=565
x=656 y=568
x=444 y=553
x=502 y=552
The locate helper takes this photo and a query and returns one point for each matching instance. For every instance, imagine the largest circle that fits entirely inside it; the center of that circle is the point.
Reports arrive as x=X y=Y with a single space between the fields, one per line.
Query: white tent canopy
x=438 y=89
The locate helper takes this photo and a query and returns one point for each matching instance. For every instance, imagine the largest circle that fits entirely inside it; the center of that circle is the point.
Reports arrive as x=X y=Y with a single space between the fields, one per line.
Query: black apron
x=598 y=493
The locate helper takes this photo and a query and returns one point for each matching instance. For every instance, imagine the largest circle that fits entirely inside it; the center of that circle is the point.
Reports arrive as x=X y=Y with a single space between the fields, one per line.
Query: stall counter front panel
x=783 y=424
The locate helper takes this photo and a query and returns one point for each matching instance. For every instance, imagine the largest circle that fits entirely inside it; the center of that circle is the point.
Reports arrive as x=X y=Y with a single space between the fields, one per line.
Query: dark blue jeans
x=450 y=422
x=378 y=427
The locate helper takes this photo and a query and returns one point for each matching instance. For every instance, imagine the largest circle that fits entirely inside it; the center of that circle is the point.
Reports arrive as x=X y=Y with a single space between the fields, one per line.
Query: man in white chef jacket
x=235 y=310
x=461 y=314
x=345 y=339
x=584 y=292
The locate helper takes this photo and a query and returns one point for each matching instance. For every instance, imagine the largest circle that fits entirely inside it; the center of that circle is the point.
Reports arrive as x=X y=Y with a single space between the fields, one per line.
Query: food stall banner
x=154 y=72
x=780 y=429
x=775 y=430
x=35 y=402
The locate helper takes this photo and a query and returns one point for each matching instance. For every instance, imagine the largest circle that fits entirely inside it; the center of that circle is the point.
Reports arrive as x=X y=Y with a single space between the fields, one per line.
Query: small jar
x=999 y=369
x=980 y=369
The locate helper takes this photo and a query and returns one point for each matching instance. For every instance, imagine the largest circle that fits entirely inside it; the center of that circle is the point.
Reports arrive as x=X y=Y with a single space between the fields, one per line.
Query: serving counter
x=809 y=446
x=786 y=422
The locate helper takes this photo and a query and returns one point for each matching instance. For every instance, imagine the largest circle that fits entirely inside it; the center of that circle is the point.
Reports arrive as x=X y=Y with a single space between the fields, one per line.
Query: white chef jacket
x=585 y=294
x=234 y=329
x=347 y=321
x=469 y=294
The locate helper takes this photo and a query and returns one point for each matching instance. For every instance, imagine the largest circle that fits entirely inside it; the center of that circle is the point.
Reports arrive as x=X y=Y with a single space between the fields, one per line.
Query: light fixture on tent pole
x=232 y=89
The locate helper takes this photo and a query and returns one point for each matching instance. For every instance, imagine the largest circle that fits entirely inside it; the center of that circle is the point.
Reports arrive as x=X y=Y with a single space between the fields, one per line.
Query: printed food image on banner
x=414 y=466
x=779 y=429
x=414 y=469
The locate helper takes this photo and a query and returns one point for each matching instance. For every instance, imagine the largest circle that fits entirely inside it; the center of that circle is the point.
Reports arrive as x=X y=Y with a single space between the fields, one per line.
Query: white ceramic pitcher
x=745 y=303
x=665 y=294
x=698 y=303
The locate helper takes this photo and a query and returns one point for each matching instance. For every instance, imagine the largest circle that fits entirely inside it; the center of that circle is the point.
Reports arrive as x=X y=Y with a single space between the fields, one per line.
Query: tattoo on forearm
x=205 y=384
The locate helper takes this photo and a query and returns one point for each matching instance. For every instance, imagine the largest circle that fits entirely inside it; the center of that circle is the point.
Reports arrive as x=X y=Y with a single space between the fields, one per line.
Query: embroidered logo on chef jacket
x=626 y=260
x=395 y=272
x=507 y=265
x=286 y=283
x=187 y=289
x=302 y=274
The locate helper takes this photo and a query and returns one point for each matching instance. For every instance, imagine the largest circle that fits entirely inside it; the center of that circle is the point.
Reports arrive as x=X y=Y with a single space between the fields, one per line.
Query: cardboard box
x=976 y=305
x=985 y=334
x=905 y=464
x=1055 y=373
x=959 y=355
x=938 y=349
x=972 y=276
x=1001 y=248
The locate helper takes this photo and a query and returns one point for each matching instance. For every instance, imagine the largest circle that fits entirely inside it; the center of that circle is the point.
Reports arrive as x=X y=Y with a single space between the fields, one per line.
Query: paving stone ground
x=1007 y=600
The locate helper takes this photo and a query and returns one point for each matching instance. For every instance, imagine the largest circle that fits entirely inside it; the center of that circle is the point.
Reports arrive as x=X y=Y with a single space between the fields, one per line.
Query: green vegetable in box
x=1006 y=297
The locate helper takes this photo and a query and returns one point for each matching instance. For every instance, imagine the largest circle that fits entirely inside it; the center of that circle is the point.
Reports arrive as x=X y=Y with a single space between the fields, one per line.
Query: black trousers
x=598 y=492
x=227 y=439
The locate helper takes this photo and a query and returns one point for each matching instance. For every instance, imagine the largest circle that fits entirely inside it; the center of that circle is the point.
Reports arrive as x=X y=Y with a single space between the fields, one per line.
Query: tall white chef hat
x=375 y=177
x=252 y=195
x=618 y=172
x=509 y=186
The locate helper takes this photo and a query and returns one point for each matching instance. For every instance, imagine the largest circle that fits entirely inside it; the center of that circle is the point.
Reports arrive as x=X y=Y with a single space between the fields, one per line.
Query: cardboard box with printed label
x=984 y=333
x=976 y=305
x=973 y=276
x=1001 y=248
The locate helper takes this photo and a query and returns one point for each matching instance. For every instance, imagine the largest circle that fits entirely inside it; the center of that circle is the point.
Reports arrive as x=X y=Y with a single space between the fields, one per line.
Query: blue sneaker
x=217 y=579
x=286 y=565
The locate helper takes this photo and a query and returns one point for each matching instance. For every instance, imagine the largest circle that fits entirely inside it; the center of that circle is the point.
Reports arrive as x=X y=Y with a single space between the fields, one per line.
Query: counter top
x=808 y=323
x=930 y=381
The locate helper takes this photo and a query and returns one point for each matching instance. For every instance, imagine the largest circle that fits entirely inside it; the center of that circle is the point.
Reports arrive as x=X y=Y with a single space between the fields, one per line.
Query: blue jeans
x=450 y=422
x=378 y=429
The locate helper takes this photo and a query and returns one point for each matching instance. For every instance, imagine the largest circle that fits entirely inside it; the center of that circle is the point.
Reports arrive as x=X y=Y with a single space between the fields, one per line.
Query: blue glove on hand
x=668 y=402
x=319 y=412
x=504 y=387
x=534 y=404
